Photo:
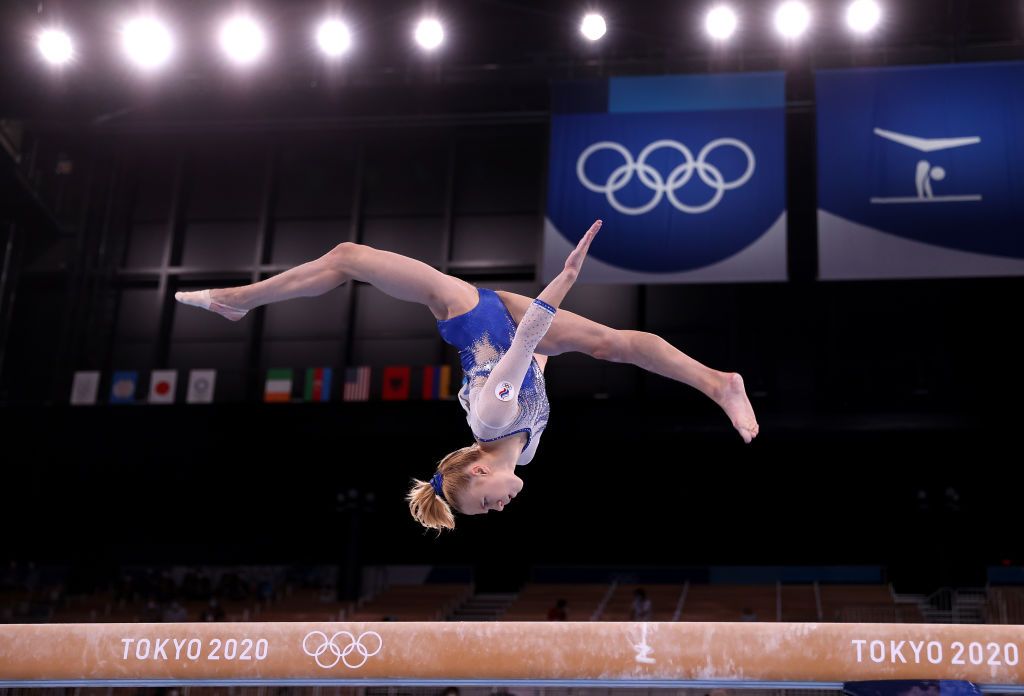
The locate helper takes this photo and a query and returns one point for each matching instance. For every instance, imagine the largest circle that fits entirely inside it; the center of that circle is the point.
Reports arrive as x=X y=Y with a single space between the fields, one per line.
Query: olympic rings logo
x=652 y=179
x=341 y=654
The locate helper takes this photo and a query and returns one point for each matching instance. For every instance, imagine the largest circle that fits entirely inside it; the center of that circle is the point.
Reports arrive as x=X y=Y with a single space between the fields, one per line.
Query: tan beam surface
x=511 y=651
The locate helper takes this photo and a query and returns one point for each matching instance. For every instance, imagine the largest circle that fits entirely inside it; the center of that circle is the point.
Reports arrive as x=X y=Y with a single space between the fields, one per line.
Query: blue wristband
x=544 y=305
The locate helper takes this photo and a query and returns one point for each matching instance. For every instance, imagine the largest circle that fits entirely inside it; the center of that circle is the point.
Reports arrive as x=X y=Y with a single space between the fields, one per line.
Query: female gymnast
x=504 y=341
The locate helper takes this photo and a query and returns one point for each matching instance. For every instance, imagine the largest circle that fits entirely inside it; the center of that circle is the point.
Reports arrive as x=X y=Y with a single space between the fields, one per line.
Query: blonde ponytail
x=430 y=509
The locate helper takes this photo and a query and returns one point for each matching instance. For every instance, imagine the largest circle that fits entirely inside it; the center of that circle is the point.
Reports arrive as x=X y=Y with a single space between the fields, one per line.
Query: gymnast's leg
x=572 y=333
x=398 y=276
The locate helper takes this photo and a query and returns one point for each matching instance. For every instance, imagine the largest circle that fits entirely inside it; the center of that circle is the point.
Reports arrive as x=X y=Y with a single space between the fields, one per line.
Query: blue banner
x=921 y=171
x=687 y=172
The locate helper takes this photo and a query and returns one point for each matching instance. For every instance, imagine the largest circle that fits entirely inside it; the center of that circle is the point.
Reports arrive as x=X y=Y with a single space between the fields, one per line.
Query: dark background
x=875 y=398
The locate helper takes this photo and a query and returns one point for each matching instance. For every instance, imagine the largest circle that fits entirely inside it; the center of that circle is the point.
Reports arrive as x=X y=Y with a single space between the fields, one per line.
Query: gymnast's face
x=488 y=489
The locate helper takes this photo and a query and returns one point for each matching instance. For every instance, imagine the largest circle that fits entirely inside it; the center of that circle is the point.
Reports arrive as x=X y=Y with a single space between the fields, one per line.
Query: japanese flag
x=163 y=385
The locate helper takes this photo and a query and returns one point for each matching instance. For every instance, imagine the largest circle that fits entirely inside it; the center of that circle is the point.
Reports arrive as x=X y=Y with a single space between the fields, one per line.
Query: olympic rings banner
x=921 y=171
x=687 y=171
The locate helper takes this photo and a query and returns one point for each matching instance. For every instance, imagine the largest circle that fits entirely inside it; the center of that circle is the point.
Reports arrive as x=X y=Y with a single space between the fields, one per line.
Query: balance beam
x=626 y=654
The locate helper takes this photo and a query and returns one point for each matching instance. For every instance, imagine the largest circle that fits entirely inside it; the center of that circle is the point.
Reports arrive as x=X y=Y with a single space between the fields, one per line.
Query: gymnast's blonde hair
x=426 y=506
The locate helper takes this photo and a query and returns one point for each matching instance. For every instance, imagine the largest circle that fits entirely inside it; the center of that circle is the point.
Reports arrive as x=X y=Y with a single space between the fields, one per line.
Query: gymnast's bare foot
x=732 y=397
x=206 y=299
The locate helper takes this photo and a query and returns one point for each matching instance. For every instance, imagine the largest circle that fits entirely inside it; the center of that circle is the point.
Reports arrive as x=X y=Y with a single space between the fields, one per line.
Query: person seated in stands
x=266 y=591
x=641 y=609
x=558 y=612
x=748 y=615
x=214 y=612
x=152 y=612
x=175 y=613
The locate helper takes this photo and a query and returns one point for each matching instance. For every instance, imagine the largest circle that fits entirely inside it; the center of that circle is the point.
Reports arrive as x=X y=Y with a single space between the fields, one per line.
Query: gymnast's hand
x=557 y=289
x=574 y=263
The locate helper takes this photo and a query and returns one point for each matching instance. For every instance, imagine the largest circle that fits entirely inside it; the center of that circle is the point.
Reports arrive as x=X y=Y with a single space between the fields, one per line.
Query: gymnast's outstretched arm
x=497 y=405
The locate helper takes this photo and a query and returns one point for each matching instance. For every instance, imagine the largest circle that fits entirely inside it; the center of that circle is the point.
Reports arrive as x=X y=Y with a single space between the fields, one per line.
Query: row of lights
x=792 y=19
x=149 y=44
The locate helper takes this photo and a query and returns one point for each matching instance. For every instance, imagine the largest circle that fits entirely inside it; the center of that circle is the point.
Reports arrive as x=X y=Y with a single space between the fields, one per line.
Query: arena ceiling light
x=593 y=26
x=863 y=16
x=242 y=39
x=720 y=22
x=147 y=42
x=55 y=46
x=333 y=37
x=792 y=19
x=429 y=33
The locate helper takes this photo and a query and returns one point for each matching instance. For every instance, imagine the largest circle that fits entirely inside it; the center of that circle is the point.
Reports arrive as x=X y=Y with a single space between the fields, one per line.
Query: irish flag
x=279 y=386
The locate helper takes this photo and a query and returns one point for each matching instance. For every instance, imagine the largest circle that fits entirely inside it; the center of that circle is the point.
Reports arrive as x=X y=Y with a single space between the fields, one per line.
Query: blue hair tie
x=435 y=483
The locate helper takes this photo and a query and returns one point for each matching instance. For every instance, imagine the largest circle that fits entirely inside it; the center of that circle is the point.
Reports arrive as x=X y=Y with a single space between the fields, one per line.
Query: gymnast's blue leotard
x=484 y=335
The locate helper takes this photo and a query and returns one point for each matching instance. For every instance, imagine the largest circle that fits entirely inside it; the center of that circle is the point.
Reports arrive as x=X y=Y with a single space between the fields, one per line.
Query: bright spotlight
x=333 y=37
x=720 y=22
x=593 y=27
x=55 y=46
x=863 y=15
x=792 y=19
x=147 y=42
x=429 y=33
x=242 y=39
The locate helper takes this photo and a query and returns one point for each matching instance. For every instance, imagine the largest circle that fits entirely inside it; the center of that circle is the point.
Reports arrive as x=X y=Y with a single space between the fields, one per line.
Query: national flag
x=85 y=387
x=201 y=384
x=162 y=386
x=279 y=386
x=437 y=380
x=396 y=383
x=318 y=384
x=122 y=387
x=357 y=384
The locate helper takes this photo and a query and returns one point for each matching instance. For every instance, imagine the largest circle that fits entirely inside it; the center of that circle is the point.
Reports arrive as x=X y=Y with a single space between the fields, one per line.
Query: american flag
x=357 y=384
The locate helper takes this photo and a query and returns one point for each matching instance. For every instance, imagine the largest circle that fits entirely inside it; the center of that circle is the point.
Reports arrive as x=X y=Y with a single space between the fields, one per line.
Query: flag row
x=282 y=385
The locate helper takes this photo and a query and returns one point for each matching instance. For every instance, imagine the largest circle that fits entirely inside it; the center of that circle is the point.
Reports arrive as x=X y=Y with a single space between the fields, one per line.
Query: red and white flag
x=163 y=385
x=357 y=384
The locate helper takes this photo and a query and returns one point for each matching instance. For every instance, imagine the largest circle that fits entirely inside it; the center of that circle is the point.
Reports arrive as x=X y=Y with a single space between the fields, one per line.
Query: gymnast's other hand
x=574 y=263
